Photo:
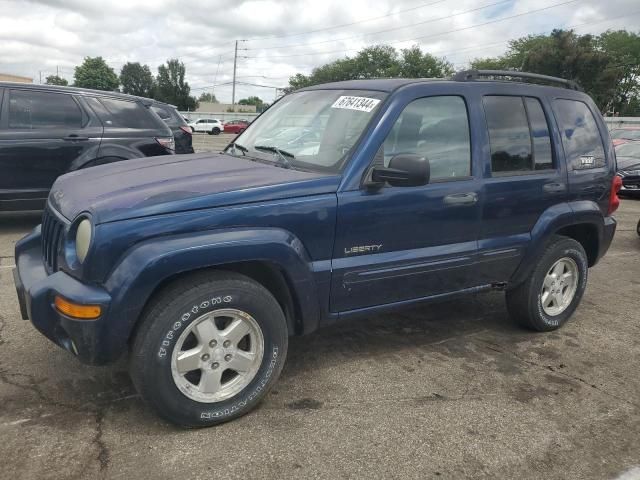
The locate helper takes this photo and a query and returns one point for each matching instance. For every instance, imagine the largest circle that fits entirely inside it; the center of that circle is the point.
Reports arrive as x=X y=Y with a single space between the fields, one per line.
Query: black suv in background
x=178 y=125
x=46 y=131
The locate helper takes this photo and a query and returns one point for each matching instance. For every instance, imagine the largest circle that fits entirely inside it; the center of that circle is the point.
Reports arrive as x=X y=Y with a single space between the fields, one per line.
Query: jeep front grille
x=52 y=236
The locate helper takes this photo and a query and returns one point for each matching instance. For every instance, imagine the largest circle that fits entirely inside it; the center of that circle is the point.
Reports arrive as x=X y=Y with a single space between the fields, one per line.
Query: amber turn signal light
x=73 y=310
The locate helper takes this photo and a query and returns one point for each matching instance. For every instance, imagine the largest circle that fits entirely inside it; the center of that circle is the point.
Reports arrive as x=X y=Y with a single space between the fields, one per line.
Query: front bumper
x=89 y=340
x=631 y=184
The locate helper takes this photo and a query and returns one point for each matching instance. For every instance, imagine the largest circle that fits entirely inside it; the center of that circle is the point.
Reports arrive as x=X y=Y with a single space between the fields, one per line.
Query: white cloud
x=42 y=35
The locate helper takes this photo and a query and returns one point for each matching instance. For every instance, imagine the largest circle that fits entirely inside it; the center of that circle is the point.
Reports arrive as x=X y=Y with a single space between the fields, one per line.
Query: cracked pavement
x=448 y=390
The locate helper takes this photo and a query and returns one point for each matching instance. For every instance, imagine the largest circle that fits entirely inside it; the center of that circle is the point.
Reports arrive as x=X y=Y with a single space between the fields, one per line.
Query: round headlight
x=83 y=239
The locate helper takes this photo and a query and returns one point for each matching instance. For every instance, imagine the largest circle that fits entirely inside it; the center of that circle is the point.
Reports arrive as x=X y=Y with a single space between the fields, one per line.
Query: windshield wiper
x=282 y=154
x=235 y=146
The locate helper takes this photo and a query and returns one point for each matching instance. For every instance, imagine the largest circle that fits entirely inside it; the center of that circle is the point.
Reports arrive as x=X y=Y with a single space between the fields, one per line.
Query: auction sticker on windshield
x=362 y=104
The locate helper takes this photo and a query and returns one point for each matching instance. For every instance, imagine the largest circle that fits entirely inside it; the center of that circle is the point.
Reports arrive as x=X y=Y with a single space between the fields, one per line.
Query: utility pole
x=235 y=64
x=233 y=92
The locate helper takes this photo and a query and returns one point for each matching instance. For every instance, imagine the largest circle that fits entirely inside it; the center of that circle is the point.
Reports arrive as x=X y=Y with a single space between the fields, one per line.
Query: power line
x=427 y=36
x=324 y=29
x=333 y=40
x=568 y=27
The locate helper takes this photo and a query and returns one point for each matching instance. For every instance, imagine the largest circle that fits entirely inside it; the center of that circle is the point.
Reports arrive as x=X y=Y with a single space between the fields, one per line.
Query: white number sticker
x=362 y=104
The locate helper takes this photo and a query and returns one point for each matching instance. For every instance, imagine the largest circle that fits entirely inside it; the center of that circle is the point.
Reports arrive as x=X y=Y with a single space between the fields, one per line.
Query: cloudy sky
x=280 y=37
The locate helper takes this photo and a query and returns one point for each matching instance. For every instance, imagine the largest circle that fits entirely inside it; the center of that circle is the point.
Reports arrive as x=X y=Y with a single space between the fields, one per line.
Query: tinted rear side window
x=580 y=135
x=519 y=135
x=508 y=134
x=40 y=110
x=542 y=155
x=125 y=114
x=163 y=113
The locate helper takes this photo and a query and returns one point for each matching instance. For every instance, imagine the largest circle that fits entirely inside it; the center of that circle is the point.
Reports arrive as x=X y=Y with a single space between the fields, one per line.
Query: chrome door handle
x=456 y=199
x=554 y=187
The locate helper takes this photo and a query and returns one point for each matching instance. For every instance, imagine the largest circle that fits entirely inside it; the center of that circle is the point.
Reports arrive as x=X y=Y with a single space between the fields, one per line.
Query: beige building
x=5 y=77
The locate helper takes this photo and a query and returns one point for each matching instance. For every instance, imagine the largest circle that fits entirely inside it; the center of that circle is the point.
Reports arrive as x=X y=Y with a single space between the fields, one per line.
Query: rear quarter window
x=126 y=114
x=581 y=139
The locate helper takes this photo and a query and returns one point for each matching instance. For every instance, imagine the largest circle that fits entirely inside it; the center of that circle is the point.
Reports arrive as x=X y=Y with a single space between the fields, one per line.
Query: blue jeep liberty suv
x=341 y=200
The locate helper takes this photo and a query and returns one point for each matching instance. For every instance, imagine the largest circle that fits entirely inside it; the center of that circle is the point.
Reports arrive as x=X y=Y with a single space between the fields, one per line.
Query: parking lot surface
x=448 y=390
x=203 y=142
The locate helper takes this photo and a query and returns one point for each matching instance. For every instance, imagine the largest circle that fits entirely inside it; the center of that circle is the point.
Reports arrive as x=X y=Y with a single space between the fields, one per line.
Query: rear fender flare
x=551 y=221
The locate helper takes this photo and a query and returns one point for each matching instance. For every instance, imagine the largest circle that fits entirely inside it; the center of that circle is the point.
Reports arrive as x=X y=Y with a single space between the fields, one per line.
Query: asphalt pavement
x=450 y=390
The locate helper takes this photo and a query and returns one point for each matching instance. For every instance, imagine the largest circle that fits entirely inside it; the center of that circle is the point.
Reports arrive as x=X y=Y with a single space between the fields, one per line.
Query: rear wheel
x=548 y=298
x=215 y=131
x=209 y=348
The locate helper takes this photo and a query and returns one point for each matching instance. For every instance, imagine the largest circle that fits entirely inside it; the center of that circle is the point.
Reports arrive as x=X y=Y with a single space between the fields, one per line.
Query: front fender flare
x=146 y=265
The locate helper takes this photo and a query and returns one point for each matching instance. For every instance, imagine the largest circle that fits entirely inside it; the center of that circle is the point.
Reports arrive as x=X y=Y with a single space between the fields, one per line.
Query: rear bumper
x=89 y=340
x=608 y=231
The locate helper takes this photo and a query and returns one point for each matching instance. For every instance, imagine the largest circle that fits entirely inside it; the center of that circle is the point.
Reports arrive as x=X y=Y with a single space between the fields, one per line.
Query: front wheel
x=209 y=348
x=548 y=298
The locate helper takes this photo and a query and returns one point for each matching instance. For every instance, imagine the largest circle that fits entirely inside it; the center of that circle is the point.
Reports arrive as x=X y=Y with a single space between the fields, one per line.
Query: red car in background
x=625 y=135
x=235 y=126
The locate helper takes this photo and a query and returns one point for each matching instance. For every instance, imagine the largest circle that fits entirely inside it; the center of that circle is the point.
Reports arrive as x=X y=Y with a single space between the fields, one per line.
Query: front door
x=402 y=243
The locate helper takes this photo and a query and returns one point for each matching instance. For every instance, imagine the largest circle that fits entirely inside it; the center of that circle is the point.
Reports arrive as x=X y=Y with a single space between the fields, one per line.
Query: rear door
x=42 y=133
x=524 y=176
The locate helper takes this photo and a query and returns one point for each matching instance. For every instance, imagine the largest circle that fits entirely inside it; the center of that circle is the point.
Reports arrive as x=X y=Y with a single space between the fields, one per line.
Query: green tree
x=416 y=64
x=171 y=86
x=206 y=97
x=606 y=66
x=95 y=73
x=623 y=48
x=137 y=79
x=56 y=80
x=380 y=61
x=251 y=101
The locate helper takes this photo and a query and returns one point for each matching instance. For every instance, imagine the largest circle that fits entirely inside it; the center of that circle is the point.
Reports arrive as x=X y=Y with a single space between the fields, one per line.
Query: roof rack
x=467 y=75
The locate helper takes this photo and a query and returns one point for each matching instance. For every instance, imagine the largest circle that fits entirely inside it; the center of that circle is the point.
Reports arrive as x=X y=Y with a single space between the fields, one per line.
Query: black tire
x=524 y=301
x=638 y=228
x=171 y=312
x=216 y=131
x=193 y=130
x=210 y=132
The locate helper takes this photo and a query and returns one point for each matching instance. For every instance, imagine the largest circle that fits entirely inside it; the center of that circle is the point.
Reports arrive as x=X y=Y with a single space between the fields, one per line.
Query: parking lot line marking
x=7 y=266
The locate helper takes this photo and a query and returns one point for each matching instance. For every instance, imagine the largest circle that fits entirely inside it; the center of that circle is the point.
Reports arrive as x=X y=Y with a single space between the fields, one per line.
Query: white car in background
x=210 y=125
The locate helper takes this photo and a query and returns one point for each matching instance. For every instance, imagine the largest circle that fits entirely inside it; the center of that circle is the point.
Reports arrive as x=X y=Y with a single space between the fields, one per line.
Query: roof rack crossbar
x=467 y=75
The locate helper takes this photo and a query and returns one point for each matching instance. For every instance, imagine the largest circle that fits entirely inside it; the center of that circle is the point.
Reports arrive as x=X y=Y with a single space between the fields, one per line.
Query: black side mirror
x=404 y=170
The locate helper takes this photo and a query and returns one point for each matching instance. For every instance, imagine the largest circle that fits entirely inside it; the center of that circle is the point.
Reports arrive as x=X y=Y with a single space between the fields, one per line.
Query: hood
x=173 y=183
x=628 y=163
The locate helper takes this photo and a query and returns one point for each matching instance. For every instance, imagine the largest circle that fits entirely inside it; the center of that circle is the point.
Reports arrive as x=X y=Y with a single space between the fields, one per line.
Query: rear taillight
x=167 y=142
x=186 y=129
x=614 y=201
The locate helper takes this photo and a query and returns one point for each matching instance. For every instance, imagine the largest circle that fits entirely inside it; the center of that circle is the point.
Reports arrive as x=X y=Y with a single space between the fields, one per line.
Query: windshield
x=626 y=134
x=314 y=130
x=628 y=150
